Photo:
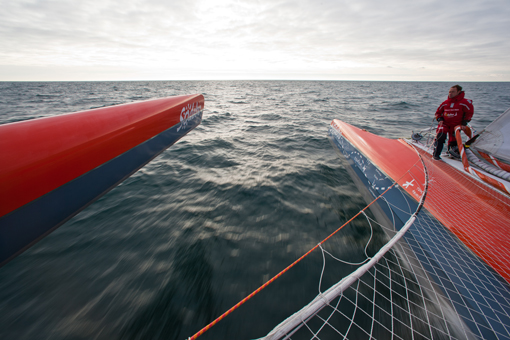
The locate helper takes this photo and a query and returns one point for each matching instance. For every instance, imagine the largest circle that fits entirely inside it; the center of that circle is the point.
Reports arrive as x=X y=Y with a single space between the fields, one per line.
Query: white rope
x=486 y=166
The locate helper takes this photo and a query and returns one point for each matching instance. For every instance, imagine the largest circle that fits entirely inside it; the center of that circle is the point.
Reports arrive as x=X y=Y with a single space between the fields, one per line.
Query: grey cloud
x=103 y=18
x=422 y=33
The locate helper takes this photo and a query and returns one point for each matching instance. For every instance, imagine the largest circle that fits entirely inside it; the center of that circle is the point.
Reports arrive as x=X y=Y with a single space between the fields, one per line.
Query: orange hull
x=475 y=212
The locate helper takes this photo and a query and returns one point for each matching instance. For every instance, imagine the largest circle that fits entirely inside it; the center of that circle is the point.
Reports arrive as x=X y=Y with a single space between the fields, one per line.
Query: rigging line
x=371 y=234
x=373 y=303
x=346 y=262
x=323 y=268
x=396 y=207
x=408 y=304
x=343 y=261
x=428 y=131
x=255 y=292
x=422 y=291
x=334 y=309
x=354 y=311
x=392 y=214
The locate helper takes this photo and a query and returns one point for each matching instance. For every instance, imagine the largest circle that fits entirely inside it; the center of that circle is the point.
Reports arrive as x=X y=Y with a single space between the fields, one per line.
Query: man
x=456 y=110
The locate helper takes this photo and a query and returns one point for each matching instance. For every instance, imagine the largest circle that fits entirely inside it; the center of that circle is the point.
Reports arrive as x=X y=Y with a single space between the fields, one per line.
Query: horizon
x=283 y=80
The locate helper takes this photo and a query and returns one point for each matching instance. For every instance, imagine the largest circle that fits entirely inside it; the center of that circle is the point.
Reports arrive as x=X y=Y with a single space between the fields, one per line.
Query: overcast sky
x=255 y=39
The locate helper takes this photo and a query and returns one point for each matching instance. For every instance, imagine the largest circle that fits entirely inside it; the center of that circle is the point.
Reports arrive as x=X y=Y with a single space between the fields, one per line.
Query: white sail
x=495 y=139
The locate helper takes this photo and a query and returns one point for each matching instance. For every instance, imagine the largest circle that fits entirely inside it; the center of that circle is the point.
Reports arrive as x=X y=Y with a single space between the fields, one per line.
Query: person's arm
x=440 y=113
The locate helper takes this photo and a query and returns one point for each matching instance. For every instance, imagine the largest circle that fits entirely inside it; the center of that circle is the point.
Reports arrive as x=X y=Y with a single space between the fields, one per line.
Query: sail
x=495 y=139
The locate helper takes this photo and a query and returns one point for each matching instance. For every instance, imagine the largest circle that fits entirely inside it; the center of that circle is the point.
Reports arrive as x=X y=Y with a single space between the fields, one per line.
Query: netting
x=369 y=302
x=475 y=212
x=423 y=284
x=432 y=278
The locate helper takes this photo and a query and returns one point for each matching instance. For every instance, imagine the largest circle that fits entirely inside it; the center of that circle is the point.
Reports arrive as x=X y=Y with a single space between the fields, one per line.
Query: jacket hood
x=457 y=98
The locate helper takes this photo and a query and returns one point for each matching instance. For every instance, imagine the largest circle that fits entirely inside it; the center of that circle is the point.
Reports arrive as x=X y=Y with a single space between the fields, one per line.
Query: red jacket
x=454 y=111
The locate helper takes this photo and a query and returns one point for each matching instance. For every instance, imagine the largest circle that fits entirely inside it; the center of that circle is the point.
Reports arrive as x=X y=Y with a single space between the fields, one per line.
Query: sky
x=420 y=40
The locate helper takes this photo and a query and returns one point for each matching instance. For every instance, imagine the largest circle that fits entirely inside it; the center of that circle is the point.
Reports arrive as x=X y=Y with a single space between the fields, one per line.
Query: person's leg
x=440 y=139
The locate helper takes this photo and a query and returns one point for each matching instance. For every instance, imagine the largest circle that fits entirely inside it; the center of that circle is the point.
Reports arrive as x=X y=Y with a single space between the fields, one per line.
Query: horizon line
x=304 y=80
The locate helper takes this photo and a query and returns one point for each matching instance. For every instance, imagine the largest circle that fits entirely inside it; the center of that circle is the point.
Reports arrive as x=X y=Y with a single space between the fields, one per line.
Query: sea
x=242 y=196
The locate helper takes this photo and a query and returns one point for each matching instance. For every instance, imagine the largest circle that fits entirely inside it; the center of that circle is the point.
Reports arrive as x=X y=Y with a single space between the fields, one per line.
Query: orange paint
x=476 y=213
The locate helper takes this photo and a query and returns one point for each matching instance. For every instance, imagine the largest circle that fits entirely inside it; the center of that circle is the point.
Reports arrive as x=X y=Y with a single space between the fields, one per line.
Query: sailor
x=456 y=110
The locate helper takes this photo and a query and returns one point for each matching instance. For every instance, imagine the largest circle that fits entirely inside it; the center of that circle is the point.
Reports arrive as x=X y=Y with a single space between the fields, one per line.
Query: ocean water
x=212 y=218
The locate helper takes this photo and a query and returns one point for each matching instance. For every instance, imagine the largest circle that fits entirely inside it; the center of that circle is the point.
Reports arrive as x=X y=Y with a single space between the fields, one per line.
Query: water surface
x=208 y=221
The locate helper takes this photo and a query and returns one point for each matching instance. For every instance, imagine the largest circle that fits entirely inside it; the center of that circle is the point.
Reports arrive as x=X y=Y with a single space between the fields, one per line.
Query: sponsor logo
x=450 y=113
x=187 y=112
x=407 y=184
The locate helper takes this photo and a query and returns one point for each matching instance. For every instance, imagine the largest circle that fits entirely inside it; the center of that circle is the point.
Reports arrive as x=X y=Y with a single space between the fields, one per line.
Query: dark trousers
x=442 y=132
x=438 y=144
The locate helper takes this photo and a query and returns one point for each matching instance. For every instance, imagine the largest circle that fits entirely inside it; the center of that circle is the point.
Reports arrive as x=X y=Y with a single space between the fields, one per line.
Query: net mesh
x=481 y=212
x=427 y=285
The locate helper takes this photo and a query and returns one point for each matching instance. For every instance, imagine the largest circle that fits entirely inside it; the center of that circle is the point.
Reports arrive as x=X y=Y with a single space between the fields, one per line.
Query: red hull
x=40 y=155
x=476 y=213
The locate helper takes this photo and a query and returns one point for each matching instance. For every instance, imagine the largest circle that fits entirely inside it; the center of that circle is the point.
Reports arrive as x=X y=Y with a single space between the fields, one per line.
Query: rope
x=240 y=303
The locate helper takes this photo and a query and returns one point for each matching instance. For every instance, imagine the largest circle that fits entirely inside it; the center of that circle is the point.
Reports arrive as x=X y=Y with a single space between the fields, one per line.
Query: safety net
x=423 y=282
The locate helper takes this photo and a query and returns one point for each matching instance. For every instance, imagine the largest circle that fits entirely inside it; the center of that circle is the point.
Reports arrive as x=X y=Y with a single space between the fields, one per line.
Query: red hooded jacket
x=454 y=111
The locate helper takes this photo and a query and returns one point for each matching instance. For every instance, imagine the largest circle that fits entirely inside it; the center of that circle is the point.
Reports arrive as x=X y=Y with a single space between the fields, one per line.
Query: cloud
x=198 y=39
